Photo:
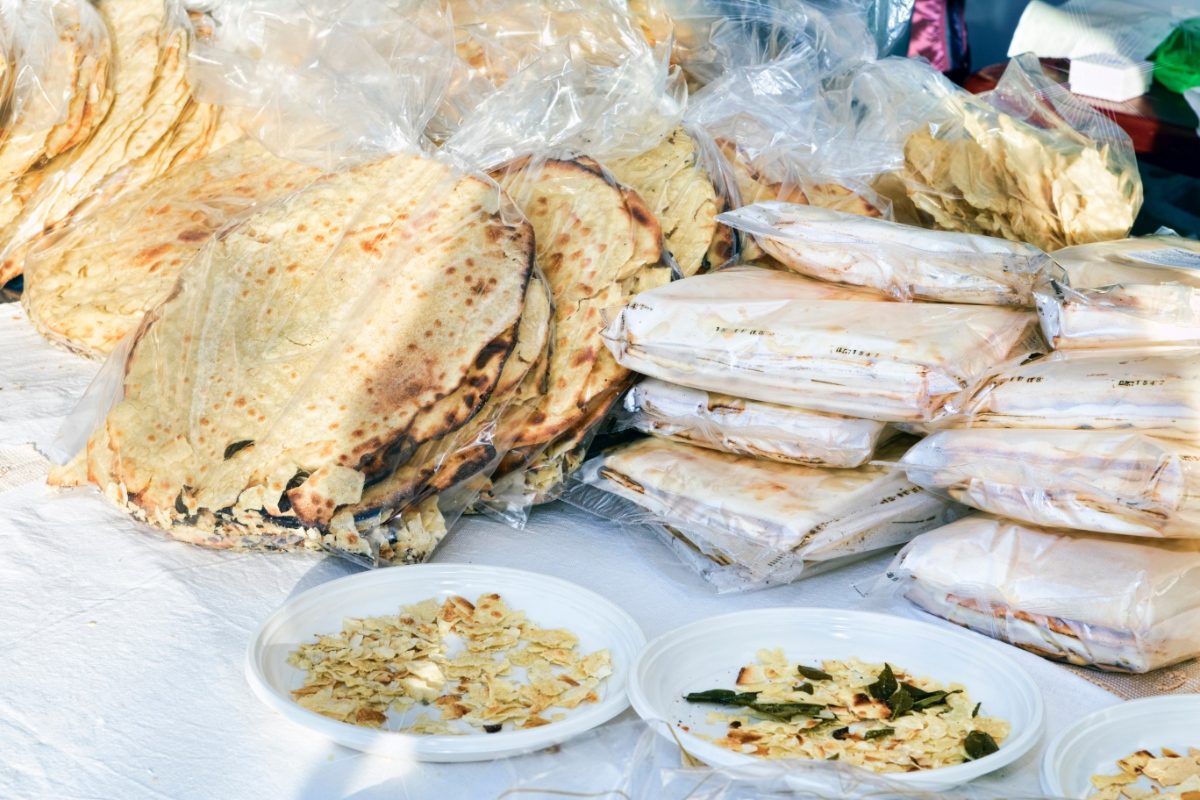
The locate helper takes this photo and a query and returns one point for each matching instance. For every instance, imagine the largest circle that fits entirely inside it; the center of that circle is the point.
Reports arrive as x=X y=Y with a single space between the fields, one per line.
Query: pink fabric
x=928 y=33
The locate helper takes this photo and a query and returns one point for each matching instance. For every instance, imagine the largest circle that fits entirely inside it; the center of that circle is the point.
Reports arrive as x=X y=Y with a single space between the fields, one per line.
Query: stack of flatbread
x=597 y=245
x=770 y=522
x=88 y=286
x=672 y=180
x=330 y=369
x=1112 y=602
x=1141 y=292
x=1102 y=481
x=55 y=89
x=152 y=125
x=903 y=261
x=782 y=338
x=750 y=427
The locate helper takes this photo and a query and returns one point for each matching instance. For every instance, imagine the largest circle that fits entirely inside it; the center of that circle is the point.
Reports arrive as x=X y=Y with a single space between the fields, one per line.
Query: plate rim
x=941 y=776
x=435 y=747
x=1053 y=748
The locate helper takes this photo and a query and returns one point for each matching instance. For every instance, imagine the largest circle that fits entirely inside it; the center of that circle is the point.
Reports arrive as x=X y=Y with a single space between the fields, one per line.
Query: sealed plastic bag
x=766 y=522
x=1102 y=481
x=905 y=262
x=1140 y=292
x=1110 y=602
x=781 y=338
x=329 y=371
x=749 y=427
x=1156 y=393
x=152 y=124
x=1027 y=161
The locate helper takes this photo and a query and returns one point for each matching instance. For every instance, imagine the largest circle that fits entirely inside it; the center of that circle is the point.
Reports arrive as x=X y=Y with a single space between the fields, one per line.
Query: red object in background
x=1160 y=122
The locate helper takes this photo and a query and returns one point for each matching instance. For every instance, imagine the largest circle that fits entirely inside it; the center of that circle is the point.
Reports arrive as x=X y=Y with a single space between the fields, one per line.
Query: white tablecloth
x=121 y=653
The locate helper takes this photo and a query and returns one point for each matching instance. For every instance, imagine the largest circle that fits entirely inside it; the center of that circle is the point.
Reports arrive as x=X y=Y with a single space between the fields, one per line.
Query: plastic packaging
x=1156 y=393
x=1027 y=161
x=782 y=338
x=1177 y=58
x=1101 y=481
x=902 y=261
x=1110 y=602
x=1140 y=292
x=757 y=522
x=322 y=377
x=749 y=427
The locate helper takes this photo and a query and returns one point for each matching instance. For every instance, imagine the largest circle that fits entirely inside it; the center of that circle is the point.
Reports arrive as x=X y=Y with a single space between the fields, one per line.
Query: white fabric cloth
x=123 y=652
x=1129 y=28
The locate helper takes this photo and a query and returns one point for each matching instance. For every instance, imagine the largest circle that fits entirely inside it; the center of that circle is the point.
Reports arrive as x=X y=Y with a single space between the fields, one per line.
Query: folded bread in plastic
x=1103 y=481
x=1112 y=602
x=782 y=338
x=904 y=261
x=329 y=368
x=750 y=427
x=1139 y=292
x=1155 y=392
x=770 y=519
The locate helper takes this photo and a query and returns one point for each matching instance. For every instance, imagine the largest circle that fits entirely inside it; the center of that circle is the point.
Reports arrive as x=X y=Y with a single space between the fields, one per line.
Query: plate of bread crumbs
x=1137 y=750
x=923 y=705
x=446 y=662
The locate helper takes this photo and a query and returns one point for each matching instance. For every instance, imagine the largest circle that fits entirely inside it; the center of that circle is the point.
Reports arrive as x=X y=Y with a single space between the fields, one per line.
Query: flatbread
x=598 y=245
x=88 y=287
x=151 y=125
x=311 y=350
x=680 y=192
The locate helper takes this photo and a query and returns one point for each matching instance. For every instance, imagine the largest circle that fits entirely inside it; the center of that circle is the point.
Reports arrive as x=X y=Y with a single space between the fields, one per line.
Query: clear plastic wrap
x=782 y=338
x=902 y=261
x=330 y=369
x=757 y=523
x=1027 y=161
x=1155 y=392
x=152 y=124
x=327 y=83
x=1140 y=292
x=1101 y=481
x=749 y=427
x=1111 y=602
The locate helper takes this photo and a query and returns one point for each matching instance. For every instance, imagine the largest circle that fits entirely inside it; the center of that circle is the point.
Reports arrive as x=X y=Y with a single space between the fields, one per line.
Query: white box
x=1110 y=77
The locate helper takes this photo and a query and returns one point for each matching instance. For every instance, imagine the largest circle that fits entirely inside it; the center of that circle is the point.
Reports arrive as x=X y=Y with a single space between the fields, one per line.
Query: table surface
x=122 y=673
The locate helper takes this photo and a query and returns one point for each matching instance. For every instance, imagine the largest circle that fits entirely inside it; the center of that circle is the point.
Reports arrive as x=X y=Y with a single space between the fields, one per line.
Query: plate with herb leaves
x=926 y=706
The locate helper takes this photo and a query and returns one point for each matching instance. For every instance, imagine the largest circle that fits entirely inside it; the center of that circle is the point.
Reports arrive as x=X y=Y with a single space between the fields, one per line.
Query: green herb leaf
x=933 y=699
x=975 y=711
x=813 y=674
x=840 y=733
x=807 y=688
x=885 y=685
x=833 y=757
x=722 y=697
x=900 y=703
x=879 y=733
x=917 y=693
x=786 y=711
x=979 y=744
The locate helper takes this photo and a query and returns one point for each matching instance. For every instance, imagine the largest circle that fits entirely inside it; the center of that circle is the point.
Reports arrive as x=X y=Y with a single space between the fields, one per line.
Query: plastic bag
x=321 y=377
x=1156 y=393
x=749 y=427
x=327 y=83
x=1110 y=602
x=781 y=338
x=153 y=124
x=766 y=523
x=1102 y=481
x=1141 y=292
x=899 y=260
x=1027 y=161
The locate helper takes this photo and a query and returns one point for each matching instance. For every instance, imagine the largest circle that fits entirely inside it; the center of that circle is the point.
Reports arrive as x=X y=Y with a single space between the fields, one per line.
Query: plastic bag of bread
x=750 y=427
x=782 y=338
x=1139 y=292
x=1102 y=481
x=1111 y=602
x=757 y=522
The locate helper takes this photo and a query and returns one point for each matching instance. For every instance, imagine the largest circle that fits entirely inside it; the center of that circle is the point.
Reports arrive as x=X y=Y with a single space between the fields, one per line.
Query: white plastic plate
x=709 y=653
x=1093 y=745
x=547 y=601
